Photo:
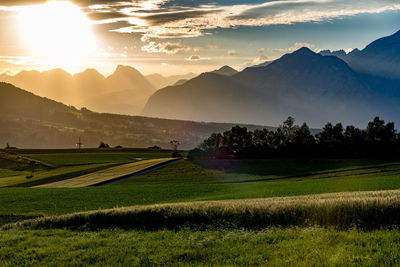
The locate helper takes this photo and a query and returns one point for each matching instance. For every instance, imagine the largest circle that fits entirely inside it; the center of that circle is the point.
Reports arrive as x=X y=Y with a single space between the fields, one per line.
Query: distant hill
x=125 y=91
x=306 y=85
x=159 y=81
x=30 y=121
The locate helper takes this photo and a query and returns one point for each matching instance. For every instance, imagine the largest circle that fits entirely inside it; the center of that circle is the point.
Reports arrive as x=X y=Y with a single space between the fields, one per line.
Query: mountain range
x=380 y=58
x=123 y=92
x=315 y=88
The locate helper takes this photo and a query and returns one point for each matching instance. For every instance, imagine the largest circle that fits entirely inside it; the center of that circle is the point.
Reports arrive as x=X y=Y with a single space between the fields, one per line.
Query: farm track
x=110 y=175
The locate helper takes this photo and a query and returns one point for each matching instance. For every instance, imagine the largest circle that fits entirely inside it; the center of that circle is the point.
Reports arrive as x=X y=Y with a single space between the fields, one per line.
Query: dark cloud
x=162 y=18
x=106 y=15
x=168 y=48
x=194 y=57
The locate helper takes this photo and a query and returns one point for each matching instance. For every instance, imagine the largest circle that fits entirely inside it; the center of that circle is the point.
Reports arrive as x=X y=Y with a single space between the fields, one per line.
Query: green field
x=191 y=182
x=187 y=181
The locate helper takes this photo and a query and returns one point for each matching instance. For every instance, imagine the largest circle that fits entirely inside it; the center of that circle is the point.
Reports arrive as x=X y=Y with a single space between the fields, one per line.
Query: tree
x=330 y=140
x=291 y=140
x=213 y=143
x=238 y=140
x=303 y=141
x=381 y=137
x=175 y=144
x=288 y=129
x=354 y=140
x=104 y=145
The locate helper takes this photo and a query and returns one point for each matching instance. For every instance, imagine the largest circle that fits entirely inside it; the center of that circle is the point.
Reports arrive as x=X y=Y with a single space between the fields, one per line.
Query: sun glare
x=58 y=33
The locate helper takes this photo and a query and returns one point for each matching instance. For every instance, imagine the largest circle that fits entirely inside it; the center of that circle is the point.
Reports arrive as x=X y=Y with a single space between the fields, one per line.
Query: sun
x=57 y=33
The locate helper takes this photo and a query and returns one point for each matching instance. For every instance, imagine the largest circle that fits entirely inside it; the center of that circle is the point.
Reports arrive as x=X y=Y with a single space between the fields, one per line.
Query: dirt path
x=113 y=174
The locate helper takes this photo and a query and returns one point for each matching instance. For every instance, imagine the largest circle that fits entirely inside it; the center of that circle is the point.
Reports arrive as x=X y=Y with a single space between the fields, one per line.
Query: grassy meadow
x=265 y=208
x=270 y=247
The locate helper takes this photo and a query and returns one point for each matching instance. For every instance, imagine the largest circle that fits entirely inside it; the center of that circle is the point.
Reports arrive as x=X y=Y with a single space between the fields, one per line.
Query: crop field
x=363 y=210
x=63 y=166
x=108 y=174
x=220 y=212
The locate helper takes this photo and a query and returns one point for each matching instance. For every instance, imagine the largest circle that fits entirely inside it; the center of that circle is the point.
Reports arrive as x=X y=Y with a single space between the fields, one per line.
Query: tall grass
x=363 y=210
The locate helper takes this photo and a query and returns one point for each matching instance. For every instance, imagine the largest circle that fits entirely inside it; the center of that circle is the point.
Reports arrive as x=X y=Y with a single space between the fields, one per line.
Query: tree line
x=296 y=141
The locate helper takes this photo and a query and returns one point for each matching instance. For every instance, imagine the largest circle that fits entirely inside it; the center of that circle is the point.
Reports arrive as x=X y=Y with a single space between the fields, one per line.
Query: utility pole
x=79 y=144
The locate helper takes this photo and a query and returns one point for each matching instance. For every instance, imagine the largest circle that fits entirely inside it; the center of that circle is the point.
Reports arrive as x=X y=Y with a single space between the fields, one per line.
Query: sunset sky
x=177 y=36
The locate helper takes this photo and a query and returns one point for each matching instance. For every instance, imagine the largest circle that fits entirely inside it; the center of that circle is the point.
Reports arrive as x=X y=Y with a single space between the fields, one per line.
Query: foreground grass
x=273 y=247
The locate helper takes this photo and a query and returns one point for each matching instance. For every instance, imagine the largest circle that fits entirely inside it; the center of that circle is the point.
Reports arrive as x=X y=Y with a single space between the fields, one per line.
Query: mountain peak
x=127 y=71
x=125 y=68
x=89 y=73
x=225 y=70
x=304 y=51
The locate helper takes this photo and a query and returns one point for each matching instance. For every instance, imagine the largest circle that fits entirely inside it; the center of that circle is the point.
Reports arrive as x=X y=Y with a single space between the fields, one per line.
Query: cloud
x=197 y=58
x=185 y=19
x=16 y=60
x=168 y=17
x=184 y=22
x=296 y=46
x=232 y=53
x=212 y=46
x=167 y=47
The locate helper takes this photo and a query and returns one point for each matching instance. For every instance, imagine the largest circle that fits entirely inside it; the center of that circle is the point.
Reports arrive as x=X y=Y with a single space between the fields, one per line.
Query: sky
x=180 y=36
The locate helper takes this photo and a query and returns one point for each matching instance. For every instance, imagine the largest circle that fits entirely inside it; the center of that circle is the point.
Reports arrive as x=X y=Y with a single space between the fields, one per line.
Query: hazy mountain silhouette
x=89 y=83
x=159 y=81
x=125 y=91
x=306 y=85
x=180 y=82
x=380 y=58
x=54 y=84
x=341 y=54
x=130 y=90
x=226 y=71
x=30 y=121
x=266 y=63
